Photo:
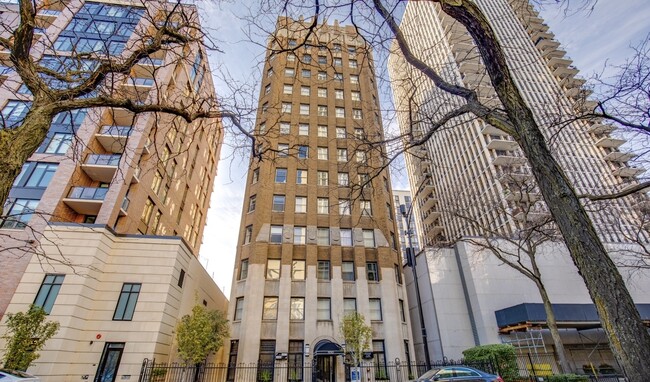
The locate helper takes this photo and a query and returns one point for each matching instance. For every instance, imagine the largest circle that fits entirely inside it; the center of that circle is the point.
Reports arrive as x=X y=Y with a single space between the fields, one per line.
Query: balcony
x=565 y=72
x=429 y=202
x=506 y=159
x=547 y=45
x=519 y=196
x=502 y=144
x=113 y=138
x=628 y=171
x=600 y=128
x=491 y=130
x=618 y=156
x=535 y=215
x=609 y=142
x=431 y=217
x=433 y=232
x=514 y=177
x=86 y=200
x=101 y=167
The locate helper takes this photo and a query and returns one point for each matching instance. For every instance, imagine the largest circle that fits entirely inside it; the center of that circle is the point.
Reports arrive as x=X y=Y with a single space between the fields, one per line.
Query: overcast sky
x=591 y=39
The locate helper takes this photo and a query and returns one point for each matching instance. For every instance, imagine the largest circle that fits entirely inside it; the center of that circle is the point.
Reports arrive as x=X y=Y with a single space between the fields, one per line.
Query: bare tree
x=508 y=112
x=521 y=249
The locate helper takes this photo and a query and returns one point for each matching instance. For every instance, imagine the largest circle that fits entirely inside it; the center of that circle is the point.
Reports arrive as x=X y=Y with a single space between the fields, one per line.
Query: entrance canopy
x=327 y=347
x=575 y=316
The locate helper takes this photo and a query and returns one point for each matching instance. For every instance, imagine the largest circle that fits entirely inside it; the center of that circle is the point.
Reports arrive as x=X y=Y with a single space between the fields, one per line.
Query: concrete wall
x=96 y=263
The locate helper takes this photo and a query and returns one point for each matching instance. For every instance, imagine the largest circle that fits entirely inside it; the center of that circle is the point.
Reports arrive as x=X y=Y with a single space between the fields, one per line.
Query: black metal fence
x=393 y=371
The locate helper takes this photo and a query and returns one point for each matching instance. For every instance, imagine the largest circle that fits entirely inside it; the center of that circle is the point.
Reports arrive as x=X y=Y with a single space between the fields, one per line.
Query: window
x=338 y=77
x=267 y=89
x=322 y=76
x=337 y=47
x=298 y=270
x=303 y=129
x=248 y=234
x=393 y=241
x=48 y=291
x=366 y=209
x=323 y=270
x=299 y=235
x=322 y=178
x=323 y=309
x=239 y=309
x=344 y=207
x=291 y=57
x=266 y=358
x=126 y=303
x=297 y=309
x=401 y=310
x=272 y=269
x=354 y=79
x=285 y=128
x=359 y=134
x=372 y=272
x=304 y=109
x=269 y=72
x=368 y=238
x=287 y=89
x=322 y=153
x=356 y=96
x=306 y=58
x=301 y=204
x=13 y=113
x=232 y=360
x=342 y=155
x=296 y=360
x=340 y=112
x=349 y=306
x=270 y=308
x=304 y=91
x=344 y=180
x=301 y=176
x=262 y=128
x=289 y=72
x=256 y=176
x=251 y=203
x=353 y=63
x=147 y=211
x=41 y=175
x=346 y=237
x=322 y=92
x=59 y=144
x=265 y=108
x=323 y=236
x=303 y=152
x=338 y=94
x=323 y=206
x=322 y=111
x=243 y=269
x=379 y=355
x=322 y=60
x=338 y=62
x=306 y=73
x=286 y=107
x=356 y=113
x=361 y=157
x=278 y=203
x=375 y=309
x=280 y=175
x=292 y=43
x=352 y=50
x=347 y=271
x=322 y=131
x=283 y=150
x=363 y=178
x=276 y=234
x=340 y=132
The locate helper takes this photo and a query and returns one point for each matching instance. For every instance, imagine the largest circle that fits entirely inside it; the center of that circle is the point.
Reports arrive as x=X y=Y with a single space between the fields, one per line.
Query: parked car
x=7 y=375
x=457 y=374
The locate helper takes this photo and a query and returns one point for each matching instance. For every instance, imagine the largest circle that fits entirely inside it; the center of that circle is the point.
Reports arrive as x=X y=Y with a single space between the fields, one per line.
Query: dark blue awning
x=326 y=347
x=579 y=316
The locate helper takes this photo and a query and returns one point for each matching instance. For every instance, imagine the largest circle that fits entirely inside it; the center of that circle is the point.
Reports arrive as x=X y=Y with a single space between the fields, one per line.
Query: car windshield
x=16 y=373
x=429 y=374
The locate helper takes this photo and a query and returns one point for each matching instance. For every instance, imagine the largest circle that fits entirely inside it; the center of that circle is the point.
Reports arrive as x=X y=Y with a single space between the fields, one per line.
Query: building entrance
x=325 y=356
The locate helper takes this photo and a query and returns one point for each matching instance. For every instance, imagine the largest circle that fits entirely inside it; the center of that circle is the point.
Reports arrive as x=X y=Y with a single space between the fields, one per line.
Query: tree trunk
x=18 y=144
x=628 y=337
x=552 y=327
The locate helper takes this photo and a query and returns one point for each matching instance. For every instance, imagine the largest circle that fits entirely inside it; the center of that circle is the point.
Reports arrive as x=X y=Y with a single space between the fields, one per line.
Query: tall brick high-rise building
x=111 y=208
x=318 y=233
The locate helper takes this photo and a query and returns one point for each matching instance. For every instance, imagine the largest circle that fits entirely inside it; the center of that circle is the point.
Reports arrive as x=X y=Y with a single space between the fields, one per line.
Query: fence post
x=532 y=367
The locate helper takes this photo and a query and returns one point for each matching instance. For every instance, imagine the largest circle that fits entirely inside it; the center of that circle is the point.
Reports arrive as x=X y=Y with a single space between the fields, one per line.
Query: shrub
x=504 y=356
x=567 y=378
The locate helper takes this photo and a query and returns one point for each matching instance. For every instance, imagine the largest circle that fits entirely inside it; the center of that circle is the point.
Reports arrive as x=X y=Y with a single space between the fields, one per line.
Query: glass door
x=110 y=362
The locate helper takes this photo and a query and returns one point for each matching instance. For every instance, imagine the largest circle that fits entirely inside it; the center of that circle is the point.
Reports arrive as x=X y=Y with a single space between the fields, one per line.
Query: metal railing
x=120 y=131
x=103 y=159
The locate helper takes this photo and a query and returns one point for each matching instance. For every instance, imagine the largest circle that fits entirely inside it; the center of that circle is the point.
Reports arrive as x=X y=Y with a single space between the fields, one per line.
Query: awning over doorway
x=327 y=347
x=577 y=316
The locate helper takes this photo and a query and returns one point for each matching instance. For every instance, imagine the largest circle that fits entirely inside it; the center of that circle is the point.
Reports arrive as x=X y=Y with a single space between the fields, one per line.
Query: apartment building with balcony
x=470 y=174
x=103 y=225
x=318 y=236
